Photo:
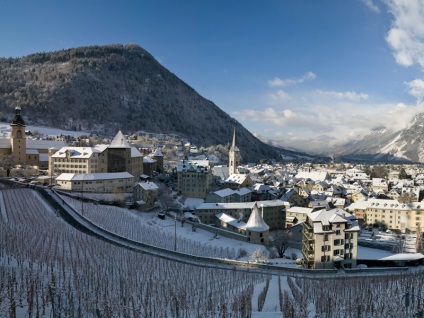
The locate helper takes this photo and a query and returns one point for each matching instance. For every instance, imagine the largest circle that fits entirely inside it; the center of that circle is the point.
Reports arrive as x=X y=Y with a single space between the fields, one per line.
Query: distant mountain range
x=115 y=87
x=385 y=145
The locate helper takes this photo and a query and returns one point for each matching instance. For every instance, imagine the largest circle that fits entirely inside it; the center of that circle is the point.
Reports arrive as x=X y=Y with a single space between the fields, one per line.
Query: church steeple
x=18 y=139
x=234 y=156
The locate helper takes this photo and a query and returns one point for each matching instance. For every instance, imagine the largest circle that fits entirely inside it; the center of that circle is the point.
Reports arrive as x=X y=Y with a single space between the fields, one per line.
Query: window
x=338 y=232
x=326 y=248
x=325 y=258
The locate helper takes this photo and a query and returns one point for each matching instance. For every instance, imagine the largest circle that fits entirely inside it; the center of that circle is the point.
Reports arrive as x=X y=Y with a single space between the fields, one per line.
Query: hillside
x=405 y=145
x=106 y=88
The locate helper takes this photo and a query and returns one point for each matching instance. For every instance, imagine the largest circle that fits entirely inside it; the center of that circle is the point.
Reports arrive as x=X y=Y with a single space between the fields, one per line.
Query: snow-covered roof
x=403 y=257
x=236 y=178
x=157 y=153
x=44 y=144
x=198 y=165
x=148 y=159
x=298 y=209
x=147 y=185
x=74 y=152
x=119 y=141
x=256 y=222
x=325 y=217
x=313 y=175
x=227 y=192
x=239 y=205
x=93 y=176
x=135 y=153
x=231 y=221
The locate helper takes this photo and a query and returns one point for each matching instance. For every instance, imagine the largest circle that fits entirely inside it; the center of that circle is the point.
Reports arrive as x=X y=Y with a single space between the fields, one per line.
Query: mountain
x=385 y=145
x=118 y=87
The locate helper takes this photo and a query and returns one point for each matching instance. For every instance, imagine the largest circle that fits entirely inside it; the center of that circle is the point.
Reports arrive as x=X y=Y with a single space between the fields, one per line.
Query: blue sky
x=306 y=74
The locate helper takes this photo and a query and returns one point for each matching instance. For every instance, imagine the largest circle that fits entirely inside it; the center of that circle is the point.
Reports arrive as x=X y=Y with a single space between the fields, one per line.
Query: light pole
x=82 y=197
x=175 y=233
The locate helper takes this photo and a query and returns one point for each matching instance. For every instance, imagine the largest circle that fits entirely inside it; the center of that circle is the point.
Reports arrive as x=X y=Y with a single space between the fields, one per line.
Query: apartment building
x=391 y=213
x=330 y=239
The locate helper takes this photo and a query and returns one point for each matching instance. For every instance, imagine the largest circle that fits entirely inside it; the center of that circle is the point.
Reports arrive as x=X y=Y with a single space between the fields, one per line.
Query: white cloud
x=406 y=36
x=314 y=126
x=278 y=82
x=349 y=95
x=371 y=5
x=416 y=88
x=278 y=97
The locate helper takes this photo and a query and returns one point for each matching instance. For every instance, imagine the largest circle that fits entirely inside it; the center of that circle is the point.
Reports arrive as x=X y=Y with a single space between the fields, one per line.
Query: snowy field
x=50 y=269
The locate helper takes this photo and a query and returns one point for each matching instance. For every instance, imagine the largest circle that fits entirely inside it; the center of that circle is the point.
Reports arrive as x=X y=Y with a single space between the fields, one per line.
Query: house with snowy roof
x=229 y=195
x=255 y=229
x=330 y=239
x=379 y=184
x=236 y=181
x=145 y=194
x=272 y=211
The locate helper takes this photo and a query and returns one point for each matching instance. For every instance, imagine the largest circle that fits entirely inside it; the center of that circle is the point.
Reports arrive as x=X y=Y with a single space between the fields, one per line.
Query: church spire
x=234 y=156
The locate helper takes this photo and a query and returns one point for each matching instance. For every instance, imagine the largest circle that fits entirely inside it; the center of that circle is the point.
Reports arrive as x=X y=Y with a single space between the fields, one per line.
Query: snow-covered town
x=118 y=229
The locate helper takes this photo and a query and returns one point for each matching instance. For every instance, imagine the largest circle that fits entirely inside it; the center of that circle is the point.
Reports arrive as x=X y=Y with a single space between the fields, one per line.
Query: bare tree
x=258 y=256
x=7 y=162
x=418 y=240
x=281 y=242
x=407 y=197
x=165 y=197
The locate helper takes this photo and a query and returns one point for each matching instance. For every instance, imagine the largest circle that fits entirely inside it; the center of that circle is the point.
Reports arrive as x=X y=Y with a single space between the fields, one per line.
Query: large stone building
x=116 y=157
x=194 y=178
x=330 y=239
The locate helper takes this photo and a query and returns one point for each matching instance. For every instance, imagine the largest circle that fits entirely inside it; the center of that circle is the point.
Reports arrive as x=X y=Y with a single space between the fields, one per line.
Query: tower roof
x=256 y=223
x=157 y=153
x=119 y=141
x=233 y=146
x=18 y=120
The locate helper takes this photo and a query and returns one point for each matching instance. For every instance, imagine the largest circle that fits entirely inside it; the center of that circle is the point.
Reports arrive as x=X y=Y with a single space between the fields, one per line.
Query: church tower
x=234 y=156
x=18 y=139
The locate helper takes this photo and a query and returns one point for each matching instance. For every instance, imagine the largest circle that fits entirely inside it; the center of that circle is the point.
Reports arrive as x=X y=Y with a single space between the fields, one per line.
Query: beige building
x=96 y=182
x=146 y=193
x=116 y=157
x=391 y=213
x=194 y=178
x=330 y=239
x=296 y=214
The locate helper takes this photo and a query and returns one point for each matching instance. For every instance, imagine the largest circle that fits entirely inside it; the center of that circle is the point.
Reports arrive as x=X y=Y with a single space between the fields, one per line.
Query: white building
x=330 y=239
x=96 y=182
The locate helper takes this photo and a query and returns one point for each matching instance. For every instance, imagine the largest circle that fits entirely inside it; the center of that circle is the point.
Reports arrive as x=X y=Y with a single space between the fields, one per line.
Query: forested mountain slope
x=106 y=88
